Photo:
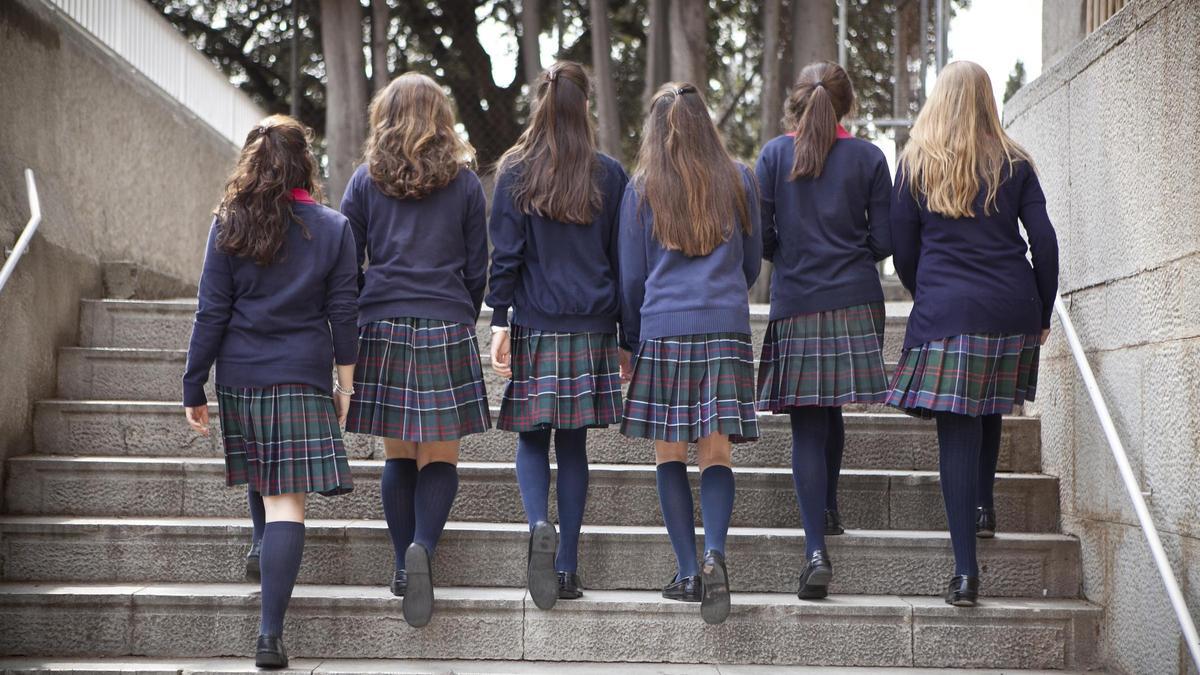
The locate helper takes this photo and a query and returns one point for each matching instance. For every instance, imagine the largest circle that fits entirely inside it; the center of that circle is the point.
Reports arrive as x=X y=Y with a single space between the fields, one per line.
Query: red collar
x=301 y=195
x=841 y=133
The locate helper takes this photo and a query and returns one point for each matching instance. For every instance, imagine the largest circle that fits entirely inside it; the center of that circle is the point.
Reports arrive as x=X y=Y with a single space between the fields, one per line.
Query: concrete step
x=618 y=494
x=211 y=550
x=202 y=620
x=873 y=440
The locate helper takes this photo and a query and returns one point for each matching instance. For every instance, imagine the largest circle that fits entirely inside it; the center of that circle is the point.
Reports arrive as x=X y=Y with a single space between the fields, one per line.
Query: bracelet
x=337 y=389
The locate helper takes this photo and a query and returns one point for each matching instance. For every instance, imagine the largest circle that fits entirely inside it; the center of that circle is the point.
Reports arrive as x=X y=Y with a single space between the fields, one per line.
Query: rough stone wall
x=1112 y=128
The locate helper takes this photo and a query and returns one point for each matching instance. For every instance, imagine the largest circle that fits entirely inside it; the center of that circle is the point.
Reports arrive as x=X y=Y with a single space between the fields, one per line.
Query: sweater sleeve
x=1043 y=242
x=766 y=201
x=354 y=207
x=341 y=301
x=633 y=268
x=507 y=231
x=214 y=308
x=475 y=267
x=613 y=214
x=879 y=231
x=752 y=242
x=905 y=219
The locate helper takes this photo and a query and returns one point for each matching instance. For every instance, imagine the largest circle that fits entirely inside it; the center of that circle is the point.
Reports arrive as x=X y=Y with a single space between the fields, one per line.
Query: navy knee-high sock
x=675 y=497
x=835 y=444
x=810 y=427
x=989 y=455
x=570 y=452
x=397 y=489
x=258 y=513
x=959 y=438
x=437 y=484
x=282 y=548
x=716 y=505
x=533 y=473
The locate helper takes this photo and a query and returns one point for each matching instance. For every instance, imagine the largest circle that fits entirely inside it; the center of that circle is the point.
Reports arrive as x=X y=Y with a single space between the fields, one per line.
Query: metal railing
x=35 y=219
x=1186 y=625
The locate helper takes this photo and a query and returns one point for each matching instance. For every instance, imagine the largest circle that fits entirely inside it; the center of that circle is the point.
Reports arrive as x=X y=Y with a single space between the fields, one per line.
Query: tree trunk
x=658 y=47
x=772 y=84
x=689 y=42
x=902 y=82
x=531 y=49
x=381 y=20
x=813 y=32
x=345 y=90
x=606 y=87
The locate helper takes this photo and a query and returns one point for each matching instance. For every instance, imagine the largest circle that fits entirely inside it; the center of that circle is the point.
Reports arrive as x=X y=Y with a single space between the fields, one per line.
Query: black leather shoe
x=541 y=579
x=815 y=577
x=686 y=589
x=714 y=589
x=399 y=583
x=418 y=597
x=985 y=522
x=963 y=591
x=833 y=523
x=269 y=653
x=252 y=572
x=569 y=587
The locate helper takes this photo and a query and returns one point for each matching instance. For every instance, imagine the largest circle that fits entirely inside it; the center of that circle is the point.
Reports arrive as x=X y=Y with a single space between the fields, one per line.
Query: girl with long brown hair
x=824 y=204
x=690 y=248
x=418 y=215
x=980 y=310
x=276 y=311
x=554 y=262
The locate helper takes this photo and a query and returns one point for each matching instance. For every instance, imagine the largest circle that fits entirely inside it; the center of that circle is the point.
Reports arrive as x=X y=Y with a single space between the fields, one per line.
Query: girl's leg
x=989 y=455
x=570 y=452
x=533 y=474
x=282 y=549
x=835 y=444
x=810 y=431
x=959 y=440
x=716 y=489
x=398 y=492
x=258 y=515
x=675 y=498
x=437 y=485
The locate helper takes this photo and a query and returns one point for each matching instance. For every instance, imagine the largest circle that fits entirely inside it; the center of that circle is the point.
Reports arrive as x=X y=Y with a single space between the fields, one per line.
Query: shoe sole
x=834 y=533
x=714 y=594
x=397 y=591
x=270 y=660
x=817 y=586
x=418 y=599
x=985 y=534
x=253 y=572
x=963 y=602
x=541 y=578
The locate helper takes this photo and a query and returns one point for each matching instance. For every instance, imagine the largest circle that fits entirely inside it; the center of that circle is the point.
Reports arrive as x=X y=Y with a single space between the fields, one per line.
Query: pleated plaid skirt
x=967 y=375
x=418 y=380
x=691 y=386
x=561 y=381
x=830 y=358
x=282 y=440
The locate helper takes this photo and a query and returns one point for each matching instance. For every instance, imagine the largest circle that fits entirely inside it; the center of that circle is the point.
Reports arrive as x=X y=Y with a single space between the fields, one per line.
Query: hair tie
x=819 y=83
x=686 y=89
x=554 y=76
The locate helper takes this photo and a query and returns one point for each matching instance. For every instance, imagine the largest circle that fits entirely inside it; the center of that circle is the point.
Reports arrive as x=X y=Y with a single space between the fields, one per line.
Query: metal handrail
x=35 y=219
x=1131 y=485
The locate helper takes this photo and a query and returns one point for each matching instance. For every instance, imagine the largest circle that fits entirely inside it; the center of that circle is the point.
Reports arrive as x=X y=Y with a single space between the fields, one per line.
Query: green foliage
x=1016 y=80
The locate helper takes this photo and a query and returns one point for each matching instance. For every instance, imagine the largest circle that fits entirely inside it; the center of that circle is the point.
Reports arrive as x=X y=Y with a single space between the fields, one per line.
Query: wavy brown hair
x=256 y=211
x=555 y=158
x=413 y=149
x=692 y=185
x=821 y=97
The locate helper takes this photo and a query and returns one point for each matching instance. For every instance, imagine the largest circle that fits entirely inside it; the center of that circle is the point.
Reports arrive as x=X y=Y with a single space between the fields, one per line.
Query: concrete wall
x=1064 y=25
x=124 y=173
x=1112 y=128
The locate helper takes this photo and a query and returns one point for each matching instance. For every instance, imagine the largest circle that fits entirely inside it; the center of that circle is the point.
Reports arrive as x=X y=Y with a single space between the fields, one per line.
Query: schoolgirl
x=825 y=198
x=554 y=262
x=276 y=311
x=980 y=310
x=418 y=215
x=690 y=248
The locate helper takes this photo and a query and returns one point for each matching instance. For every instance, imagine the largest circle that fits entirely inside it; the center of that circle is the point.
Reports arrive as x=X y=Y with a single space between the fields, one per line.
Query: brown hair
x=413 y=148
x=686 y=176
x=256 y=211
x=555 y=158
x=822 y=96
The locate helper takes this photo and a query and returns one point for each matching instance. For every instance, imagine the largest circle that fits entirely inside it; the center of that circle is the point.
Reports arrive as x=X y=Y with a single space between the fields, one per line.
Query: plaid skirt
x=418 y=380
x=561 y=381
x=283 y=439
x=829 y=358
x=691 y=386
x=967 y=375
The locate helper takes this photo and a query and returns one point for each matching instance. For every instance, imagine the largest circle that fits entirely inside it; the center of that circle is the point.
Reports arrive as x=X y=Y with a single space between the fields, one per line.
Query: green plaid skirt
x=967 y=375
x=282 y=440
x=688 y=387
x=830 y=358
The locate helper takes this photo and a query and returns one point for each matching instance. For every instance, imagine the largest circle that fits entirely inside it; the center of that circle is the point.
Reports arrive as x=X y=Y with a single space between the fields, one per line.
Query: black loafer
x=569 y=587
x=963 y=591
x=418 y=596
x=815 y=577
x=833 y=523
x=252 y=570
x=269 y=652
x=686 y=589
x=541 y=579
x=714 y=589
x=399 y=583
x=985 y=522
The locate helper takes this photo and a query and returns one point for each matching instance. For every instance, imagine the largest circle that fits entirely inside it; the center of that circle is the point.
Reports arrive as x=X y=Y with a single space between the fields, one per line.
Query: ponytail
x=822 y=96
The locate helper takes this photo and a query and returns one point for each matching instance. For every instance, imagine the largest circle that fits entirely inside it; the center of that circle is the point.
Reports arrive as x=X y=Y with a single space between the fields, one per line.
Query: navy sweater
x=556 y=276
x=666 y=293
x=428 y=257
x=285 y=323
x=971 y=275
x=825 y=234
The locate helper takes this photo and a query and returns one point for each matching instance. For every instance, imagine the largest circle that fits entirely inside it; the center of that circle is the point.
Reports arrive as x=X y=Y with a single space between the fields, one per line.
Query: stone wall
x=124 y=172
x=1064 y=24
x=1112 y=128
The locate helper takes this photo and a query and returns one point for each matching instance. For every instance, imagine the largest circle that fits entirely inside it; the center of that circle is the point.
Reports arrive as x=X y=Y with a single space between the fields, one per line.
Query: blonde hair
x=957 y=142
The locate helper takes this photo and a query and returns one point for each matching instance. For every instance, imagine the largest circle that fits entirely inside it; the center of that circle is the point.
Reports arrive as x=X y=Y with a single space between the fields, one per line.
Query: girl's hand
x=501 y=358
x=1045 y=336
x=626 y=360
x=341 y=405
x=197 y=418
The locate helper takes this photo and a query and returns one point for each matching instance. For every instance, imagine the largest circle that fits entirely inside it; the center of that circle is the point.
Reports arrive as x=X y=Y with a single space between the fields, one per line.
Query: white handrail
x=1131 y=485
x=35 y=219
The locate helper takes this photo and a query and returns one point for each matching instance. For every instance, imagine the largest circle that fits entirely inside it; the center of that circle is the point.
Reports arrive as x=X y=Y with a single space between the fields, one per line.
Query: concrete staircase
x=119 y=540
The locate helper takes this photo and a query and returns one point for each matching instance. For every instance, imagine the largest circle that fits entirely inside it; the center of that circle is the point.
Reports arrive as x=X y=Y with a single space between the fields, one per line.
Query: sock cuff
x=436 y=467
x=717 y=469
x=672 y=466
x=395 y=461
x=285 y=525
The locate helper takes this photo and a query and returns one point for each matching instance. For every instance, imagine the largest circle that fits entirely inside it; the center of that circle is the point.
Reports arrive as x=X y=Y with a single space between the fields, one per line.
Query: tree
x=1016 y=80
x=814 y=36
x=772 y=60
x=531 y=30
x=688 y=31
x=606 y=89
x=346 y=90
x=381 y=20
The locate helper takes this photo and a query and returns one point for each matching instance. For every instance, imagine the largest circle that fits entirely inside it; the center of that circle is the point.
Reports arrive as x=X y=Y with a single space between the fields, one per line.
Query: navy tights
x=533 y=477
